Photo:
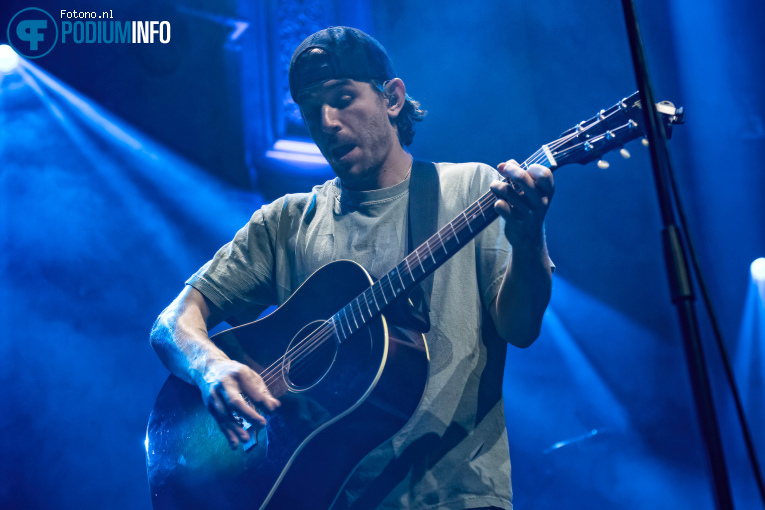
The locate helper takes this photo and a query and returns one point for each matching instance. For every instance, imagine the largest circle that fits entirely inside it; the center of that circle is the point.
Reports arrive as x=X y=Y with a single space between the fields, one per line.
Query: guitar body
x=338 y=403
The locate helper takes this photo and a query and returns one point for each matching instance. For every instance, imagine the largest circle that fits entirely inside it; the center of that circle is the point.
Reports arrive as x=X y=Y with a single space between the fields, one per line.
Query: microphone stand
x=681 y=286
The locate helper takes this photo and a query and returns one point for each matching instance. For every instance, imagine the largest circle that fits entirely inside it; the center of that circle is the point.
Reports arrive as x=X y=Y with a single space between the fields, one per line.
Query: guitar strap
x=424 y=192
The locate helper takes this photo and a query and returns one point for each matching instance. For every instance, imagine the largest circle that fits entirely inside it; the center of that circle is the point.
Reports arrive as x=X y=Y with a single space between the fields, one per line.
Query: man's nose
x=330 y=122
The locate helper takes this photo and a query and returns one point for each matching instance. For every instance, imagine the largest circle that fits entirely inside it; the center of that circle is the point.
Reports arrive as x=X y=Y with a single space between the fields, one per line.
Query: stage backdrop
x=124 y=167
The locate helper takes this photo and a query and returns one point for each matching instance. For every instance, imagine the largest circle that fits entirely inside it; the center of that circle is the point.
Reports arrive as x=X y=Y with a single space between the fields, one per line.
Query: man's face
x=349 y=122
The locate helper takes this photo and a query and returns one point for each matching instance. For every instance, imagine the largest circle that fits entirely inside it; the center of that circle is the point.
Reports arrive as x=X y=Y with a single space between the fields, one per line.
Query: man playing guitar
x=453 y=452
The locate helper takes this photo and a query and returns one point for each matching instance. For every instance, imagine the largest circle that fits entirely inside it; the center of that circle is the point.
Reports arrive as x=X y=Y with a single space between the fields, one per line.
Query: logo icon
x=32 y=32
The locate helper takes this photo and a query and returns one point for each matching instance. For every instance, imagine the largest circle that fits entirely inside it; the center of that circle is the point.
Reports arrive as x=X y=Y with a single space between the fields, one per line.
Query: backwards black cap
x=337 y=53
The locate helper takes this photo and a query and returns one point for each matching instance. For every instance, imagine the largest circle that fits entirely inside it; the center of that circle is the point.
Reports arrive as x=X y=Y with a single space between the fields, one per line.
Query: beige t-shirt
x=453 y=453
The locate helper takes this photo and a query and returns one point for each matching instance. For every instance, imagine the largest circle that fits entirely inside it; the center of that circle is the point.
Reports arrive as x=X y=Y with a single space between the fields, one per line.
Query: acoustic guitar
x=347 y=378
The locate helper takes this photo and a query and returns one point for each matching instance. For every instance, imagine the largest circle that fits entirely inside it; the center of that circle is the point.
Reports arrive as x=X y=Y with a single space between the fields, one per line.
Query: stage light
x=146 y=442
x=758 y=269
x=297 y=157
x=8 y=59
x=297 y=146
x=301 y=155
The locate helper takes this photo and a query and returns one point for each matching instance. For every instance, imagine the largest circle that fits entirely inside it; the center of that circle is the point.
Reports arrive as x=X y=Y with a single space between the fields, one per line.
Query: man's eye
x=344 y=100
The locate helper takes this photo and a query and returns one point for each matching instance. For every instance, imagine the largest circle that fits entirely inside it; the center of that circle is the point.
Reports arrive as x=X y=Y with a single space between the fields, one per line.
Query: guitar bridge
x=246 y=425
x=253 y=441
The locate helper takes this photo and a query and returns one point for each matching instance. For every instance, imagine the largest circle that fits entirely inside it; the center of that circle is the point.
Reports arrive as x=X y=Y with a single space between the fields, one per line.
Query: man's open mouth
x=341 y=151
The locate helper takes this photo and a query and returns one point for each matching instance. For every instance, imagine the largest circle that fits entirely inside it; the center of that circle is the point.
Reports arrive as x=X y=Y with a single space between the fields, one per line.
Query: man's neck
x=392 y=171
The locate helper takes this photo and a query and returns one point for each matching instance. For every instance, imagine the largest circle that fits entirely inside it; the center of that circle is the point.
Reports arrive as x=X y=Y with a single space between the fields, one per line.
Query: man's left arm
x=526 y=287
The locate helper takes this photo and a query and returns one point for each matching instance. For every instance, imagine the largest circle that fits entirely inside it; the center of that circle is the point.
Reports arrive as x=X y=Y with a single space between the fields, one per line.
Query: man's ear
x=395 y=92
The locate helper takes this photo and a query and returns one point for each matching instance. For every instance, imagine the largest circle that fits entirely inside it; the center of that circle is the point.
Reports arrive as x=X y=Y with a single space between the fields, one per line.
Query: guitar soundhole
x=309 y=356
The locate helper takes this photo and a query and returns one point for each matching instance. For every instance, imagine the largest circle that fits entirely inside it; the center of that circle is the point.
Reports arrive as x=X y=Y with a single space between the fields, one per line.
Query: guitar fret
x=467 y=221
x=354 y=316
x=345 y=314
x=368 y=309
x=452 y=243
x=390 y=283
x=454 y=232
x=409 y=270
x=382 y=291
x=419 y=259
x=361 y=318
x=423 y=259
x=483 y=213
x=375 y=298
x=398 y=272
x=334 y=320
x=441 y=240
x=427 y=243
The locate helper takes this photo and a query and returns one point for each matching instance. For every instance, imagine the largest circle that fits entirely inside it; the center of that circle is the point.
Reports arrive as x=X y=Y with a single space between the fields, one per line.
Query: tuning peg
x=603 y=164
x=644 y=141
x=625 y=153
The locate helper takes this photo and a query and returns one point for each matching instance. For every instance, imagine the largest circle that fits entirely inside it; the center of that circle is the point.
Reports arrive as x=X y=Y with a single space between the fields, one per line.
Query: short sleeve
x=240 y=278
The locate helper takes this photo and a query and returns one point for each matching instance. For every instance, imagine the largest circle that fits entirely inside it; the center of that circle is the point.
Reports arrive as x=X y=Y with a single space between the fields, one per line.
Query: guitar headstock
x=609 y=130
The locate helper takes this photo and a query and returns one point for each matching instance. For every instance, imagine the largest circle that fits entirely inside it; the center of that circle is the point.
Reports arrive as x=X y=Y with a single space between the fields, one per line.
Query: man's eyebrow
x=322 y=87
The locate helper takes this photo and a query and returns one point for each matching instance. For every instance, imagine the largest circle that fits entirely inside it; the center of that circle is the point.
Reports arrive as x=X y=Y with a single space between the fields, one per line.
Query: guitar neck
x=587 y=141
x=424 y=260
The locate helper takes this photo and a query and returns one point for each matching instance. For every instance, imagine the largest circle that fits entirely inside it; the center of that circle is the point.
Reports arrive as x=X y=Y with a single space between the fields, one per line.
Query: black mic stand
x=680 y=283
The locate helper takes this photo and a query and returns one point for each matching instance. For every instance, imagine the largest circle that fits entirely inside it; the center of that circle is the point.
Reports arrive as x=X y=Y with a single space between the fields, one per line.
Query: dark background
x=123 y=167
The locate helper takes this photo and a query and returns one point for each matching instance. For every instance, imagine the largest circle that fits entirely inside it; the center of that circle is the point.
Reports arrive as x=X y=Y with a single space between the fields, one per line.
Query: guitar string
x=300 y=352
x=303 y=349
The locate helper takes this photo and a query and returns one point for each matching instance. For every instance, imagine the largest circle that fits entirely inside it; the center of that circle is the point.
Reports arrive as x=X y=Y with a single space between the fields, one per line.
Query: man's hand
x=179 y=337
x=227 y=386
x=525 y=292
x=523 y=202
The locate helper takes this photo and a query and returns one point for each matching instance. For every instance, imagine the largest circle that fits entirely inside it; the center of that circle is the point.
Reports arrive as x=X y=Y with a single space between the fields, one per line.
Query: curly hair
x=410 y=113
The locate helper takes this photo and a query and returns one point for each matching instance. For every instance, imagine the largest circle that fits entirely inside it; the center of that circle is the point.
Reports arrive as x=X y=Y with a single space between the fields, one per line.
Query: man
x=453 y=453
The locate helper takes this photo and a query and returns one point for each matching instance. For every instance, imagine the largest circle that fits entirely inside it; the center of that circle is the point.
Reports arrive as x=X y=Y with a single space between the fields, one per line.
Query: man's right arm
x=180 y=339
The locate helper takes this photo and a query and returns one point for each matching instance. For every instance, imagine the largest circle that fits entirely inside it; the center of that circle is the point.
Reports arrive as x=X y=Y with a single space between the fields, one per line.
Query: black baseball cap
x=337 y=53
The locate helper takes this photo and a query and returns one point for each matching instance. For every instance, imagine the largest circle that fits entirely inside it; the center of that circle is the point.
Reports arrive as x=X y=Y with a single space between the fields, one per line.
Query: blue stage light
x=8 y=59
x=298 y=157
x=758 y=269
x=299 y=154
x=298 y=146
